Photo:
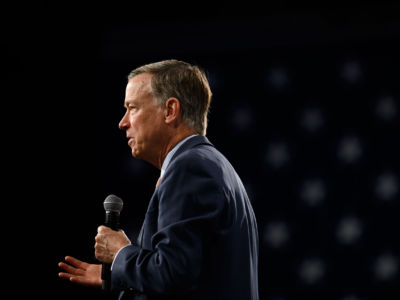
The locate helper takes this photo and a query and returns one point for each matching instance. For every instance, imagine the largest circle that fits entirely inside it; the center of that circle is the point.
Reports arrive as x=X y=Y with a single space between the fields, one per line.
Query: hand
x=108 y=243
x=81 y=272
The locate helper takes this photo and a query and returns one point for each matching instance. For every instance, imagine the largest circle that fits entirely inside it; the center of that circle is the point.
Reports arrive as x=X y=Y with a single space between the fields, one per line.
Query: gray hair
x=187 y=83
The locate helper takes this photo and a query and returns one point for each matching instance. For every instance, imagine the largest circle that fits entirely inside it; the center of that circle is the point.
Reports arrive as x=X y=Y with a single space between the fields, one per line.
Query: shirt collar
x=171 y=154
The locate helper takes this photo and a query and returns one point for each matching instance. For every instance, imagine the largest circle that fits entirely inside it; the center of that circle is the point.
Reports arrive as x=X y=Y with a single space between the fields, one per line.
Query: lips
x=130 y=140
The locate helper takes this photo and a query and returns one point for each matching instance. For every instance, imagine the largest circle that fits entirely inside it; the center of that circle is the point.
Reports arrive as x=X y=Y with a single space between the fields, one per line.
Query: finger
x=65 y=267
x=99 y=253
x=99 y=237
x=69 y=269
x=82 y=281
x=100 y=246
x=74 y=279
x=77 y=280
x=76 y=262
x=64 y=275
x=103 y=229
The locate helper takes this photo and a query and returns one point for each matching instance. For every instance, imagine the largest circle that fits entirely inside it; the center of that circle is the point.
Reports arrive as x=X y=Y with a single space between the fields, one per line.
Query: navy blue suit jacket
x=199 y=239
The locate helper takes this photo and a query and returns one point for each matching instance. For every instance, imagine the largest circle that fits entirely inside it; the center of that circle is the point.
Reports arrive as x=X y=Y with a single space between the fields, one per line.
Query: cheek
x=140 y=127
x=135 y=123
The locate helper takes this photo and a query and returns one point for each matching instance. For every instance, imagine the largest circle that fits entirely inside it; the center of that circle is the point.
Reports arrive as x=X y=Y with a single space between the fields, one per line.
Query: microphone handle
x=112 y=221
x=106 y=277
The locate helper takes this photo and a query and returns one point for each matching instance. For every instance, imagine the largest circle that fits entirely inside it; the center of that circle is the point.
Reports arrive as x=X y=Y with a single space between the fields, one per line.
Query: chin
x=135 y=153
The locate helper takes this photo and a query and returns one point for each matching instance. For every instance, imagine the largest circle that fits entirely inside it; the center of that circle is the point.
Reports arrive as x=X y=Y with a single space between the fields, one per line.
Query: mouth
x=130 y=140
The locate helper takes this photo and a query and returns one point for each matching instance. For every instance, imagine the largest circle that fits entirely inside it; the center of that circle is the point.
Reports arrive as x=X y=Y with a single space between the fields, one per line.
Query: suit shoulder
x=201 y=155
x=203 y=160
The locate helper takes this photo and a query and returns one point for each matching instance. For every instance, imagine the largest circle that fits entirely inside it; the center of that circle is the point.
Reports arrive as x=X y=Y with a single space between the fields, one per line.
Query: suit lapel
x=152 y=209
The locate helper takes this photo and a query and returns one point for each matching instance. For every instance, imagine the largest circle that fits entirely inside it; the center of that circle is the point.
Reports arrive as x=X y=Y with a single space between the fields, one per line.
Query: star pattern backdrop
x=306 y=106
x=313 y=131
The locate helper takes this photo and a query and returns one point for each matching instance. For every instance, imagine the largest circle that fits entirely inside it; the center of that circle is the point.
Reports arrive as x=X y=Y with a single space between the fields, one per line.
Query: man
x=199 y=238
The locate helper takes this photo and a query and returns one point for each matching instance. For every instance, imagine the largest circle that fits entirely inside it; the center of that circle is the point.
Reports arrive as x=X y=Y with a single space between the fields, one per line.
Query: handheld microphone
x=113 y=206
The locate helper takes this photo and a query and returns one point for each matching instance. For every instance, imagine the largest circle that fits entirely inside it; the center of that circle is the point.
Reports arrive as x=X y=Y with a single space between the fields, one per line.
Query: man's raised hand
x=81 y=272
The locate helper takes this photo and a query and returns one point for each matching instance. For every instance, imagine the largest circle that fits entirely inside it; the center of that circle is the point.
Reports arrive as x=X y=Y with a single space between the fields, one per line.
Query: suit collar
x=171 y=153
x=191 y=143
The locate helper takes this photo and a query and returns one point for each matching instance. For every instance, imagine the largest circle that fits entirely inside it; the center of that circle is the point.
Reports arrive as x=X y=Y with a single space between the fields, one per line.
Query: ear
x=172 y=110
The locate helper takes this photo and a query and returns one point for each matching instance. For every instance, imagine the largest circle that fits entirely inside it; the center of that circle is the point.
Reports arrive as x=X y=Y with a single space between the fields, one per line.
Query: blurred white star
x=242 y=118
x=350 y=149
x=386 y=108
x=312 y=119
x=278 y=77
x=277 y=154
x=386 y=267
x=276 y=234
x=313 y=191
x=386 y=186
x=349 y=230
x=351 y=72
x=312 y=270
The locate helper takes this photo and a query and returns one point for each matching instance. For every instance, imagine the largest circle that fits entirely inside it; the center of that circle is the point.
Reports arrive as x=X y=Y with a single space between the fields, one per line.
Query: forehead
x=138 y=86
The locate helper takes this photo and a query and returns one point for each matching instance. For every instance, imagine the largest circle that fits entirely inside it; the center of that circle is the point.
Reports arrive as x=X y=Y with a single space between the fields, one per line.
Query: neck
x=172 y=142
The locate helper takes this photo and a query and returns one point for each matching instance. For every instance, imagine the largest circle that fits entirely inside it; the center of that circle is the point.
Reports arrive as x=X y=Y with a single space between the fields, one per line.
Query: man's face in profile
x=143 y=119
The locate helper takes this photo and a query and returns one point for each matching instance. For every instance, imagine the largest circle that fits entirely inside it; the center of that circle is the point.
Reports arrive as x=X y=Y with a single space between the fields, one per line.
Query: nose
x=124 y=123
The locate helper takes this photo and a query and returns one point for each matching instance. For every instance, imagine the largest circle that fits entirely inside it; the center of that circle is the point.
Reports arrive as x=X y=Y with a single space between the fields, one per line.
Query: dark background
x=305 y=106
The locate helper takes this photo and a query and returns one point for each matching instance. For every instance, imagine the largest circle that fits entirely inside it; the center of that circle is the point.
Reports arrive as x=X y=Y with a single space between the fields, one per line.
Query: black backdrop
x=306 y=107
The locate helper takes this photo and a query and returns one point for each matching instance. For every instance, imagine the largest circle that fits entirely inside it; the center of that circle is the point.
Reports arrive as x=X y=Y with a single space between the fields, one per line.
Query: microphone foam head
x=113 y=203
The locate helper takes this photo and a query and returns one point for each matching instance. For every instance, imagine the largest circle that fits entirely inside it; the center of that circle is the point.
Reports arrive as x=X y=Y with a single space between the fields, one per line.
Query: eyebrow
x=127 y=102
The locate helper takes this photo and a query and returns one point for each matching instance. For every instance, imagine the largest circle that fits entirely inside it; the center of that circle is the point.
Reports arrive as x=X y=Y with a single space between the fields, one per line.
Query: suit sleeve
x=191 y=206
